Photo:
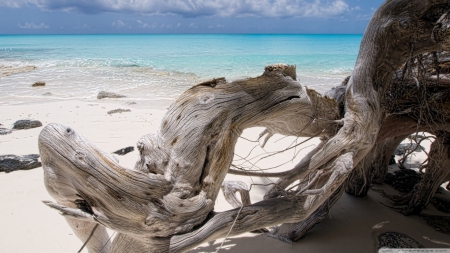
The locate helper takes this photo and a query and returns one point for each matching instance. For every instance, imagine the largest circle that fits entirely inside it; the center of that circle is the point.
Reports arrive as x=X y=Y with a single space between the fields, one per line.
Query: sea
x=161 y=67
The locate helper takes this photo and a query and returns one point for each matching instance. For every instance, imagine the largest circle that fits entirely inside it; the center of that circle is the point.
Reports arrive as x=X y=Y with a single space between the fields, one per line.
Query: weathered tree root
x=166 y=203
x=302 y=228
x=230 y=188
x=180 y=181
x=437 y=170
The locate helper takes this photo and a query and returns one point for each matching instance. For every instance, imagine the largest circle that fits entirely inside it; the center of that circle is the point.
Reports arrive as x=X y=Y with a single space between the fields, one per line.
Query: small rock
x=37 y=84
x=105 y=94
x=26 y=124
x=5 y=131
x=118 y=111
x=440 y=223
x=9 y=163
x=131 y=103
x=441 y=204
x=47 y=94
x=403 y=180
x=124 y=151
x=403 y=147
x=397 y=240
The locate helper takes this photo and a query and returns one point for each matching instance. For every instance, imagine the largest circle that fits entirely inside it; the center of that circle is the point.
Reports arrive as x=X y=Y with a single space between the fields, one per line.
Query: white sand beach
x=27 y=225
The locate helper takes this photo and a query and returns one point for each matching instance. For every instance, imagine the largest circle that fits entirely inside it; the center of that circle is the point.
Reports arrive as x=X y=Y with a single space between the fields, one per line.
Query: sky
x=185 y=16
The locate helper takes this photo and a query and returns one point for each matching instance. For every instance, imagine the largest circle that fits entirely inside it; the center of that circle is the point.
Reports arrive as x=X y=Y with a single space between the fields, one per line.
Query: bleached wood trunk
x=382 y=157
x=165 y=204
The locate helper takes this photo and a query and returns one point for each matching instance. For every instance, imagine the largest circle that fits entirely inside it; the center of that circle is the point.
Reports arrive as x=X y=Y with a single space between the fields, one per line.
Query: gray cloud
x=119 y=23
x=195 y=8
x=32 y=25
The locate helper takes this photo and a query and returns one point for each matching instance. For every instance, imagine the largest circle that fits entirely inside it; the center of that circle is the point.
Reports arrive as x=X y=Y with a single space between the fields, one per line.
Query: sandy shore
x=10 y=70
x=27 y=225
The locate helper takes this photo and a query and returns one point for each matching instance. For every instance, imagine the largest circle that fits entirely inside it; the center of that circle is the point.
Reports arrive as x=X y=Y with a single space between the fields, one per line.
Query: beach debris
x=38 y=84
x=118 y=111
x=26 y=124
x=9 y=163
x=436 y=241
x=124 y=151
x=10 y=70
x=403 y=180
x=5 y=131
x=403 y=147
x=397 y=240
x=105 y=94
x=440 y=223
x=377 y=227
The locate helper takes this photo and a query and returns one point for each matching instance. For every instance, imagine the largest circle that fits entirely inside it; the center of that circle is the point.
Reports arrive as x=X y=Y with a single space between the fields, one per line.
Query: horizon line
x=22 y=34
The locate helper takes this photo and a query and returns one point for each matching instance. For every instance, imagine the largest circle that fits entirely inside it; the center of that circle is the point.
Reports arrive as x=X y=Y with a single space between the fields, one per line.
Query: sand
x=27 y=225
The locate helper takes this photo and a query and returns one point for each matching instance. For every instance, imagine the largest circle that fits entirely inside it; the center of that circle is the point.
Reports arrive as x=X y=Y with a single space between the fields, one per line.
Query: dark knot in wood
x=214 y=82
x=283 y=69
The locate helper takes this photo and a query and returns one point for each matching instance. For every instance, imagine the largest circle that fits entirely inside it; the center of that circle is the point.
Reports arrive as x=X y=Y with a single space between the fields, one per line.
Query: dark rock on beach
x=26 y=124
x=118 y=111
x=441 y=204
x=397 y=240
x=124 y=151
x=404 y=147
x=38 y=84
x=5 y=131
x=9 y=163
x=105 y=94
x=403 y=180
x=440 y=223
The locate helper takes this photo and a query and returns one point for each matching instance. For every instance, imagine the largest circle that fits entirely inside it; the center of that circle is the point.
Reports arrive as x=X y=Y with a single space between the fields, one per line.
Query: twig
x=89 y=238
x=229 y=231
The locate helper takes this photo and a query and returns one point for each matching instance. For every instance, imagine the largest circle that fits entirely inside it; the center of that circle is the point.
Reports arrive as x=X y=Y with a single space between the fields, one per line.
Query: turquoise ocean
x=155 y=67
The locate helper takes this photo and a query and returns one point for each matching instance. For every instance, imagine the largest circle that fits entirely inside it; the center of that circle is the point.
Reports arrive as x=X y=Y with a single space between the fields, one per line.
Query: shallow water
x=154 y=67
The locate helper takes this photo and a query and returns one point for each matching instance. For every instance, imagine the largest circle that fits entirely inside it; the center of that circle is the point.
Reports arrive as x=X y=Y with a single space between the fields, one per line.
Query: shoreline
x=80 y=80
x=157 y=103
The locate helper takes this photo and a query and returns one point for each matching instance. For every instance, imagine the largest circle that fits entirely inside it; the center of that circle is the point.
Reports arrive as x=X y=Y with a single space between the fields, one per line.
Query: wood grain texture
x=165 y=203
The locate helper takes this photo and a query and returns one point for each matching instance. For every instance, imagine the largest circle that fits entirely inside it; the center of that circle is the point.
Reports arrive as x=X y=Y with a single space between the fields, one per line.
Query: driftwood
x=436 y=173
x=165 y=204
